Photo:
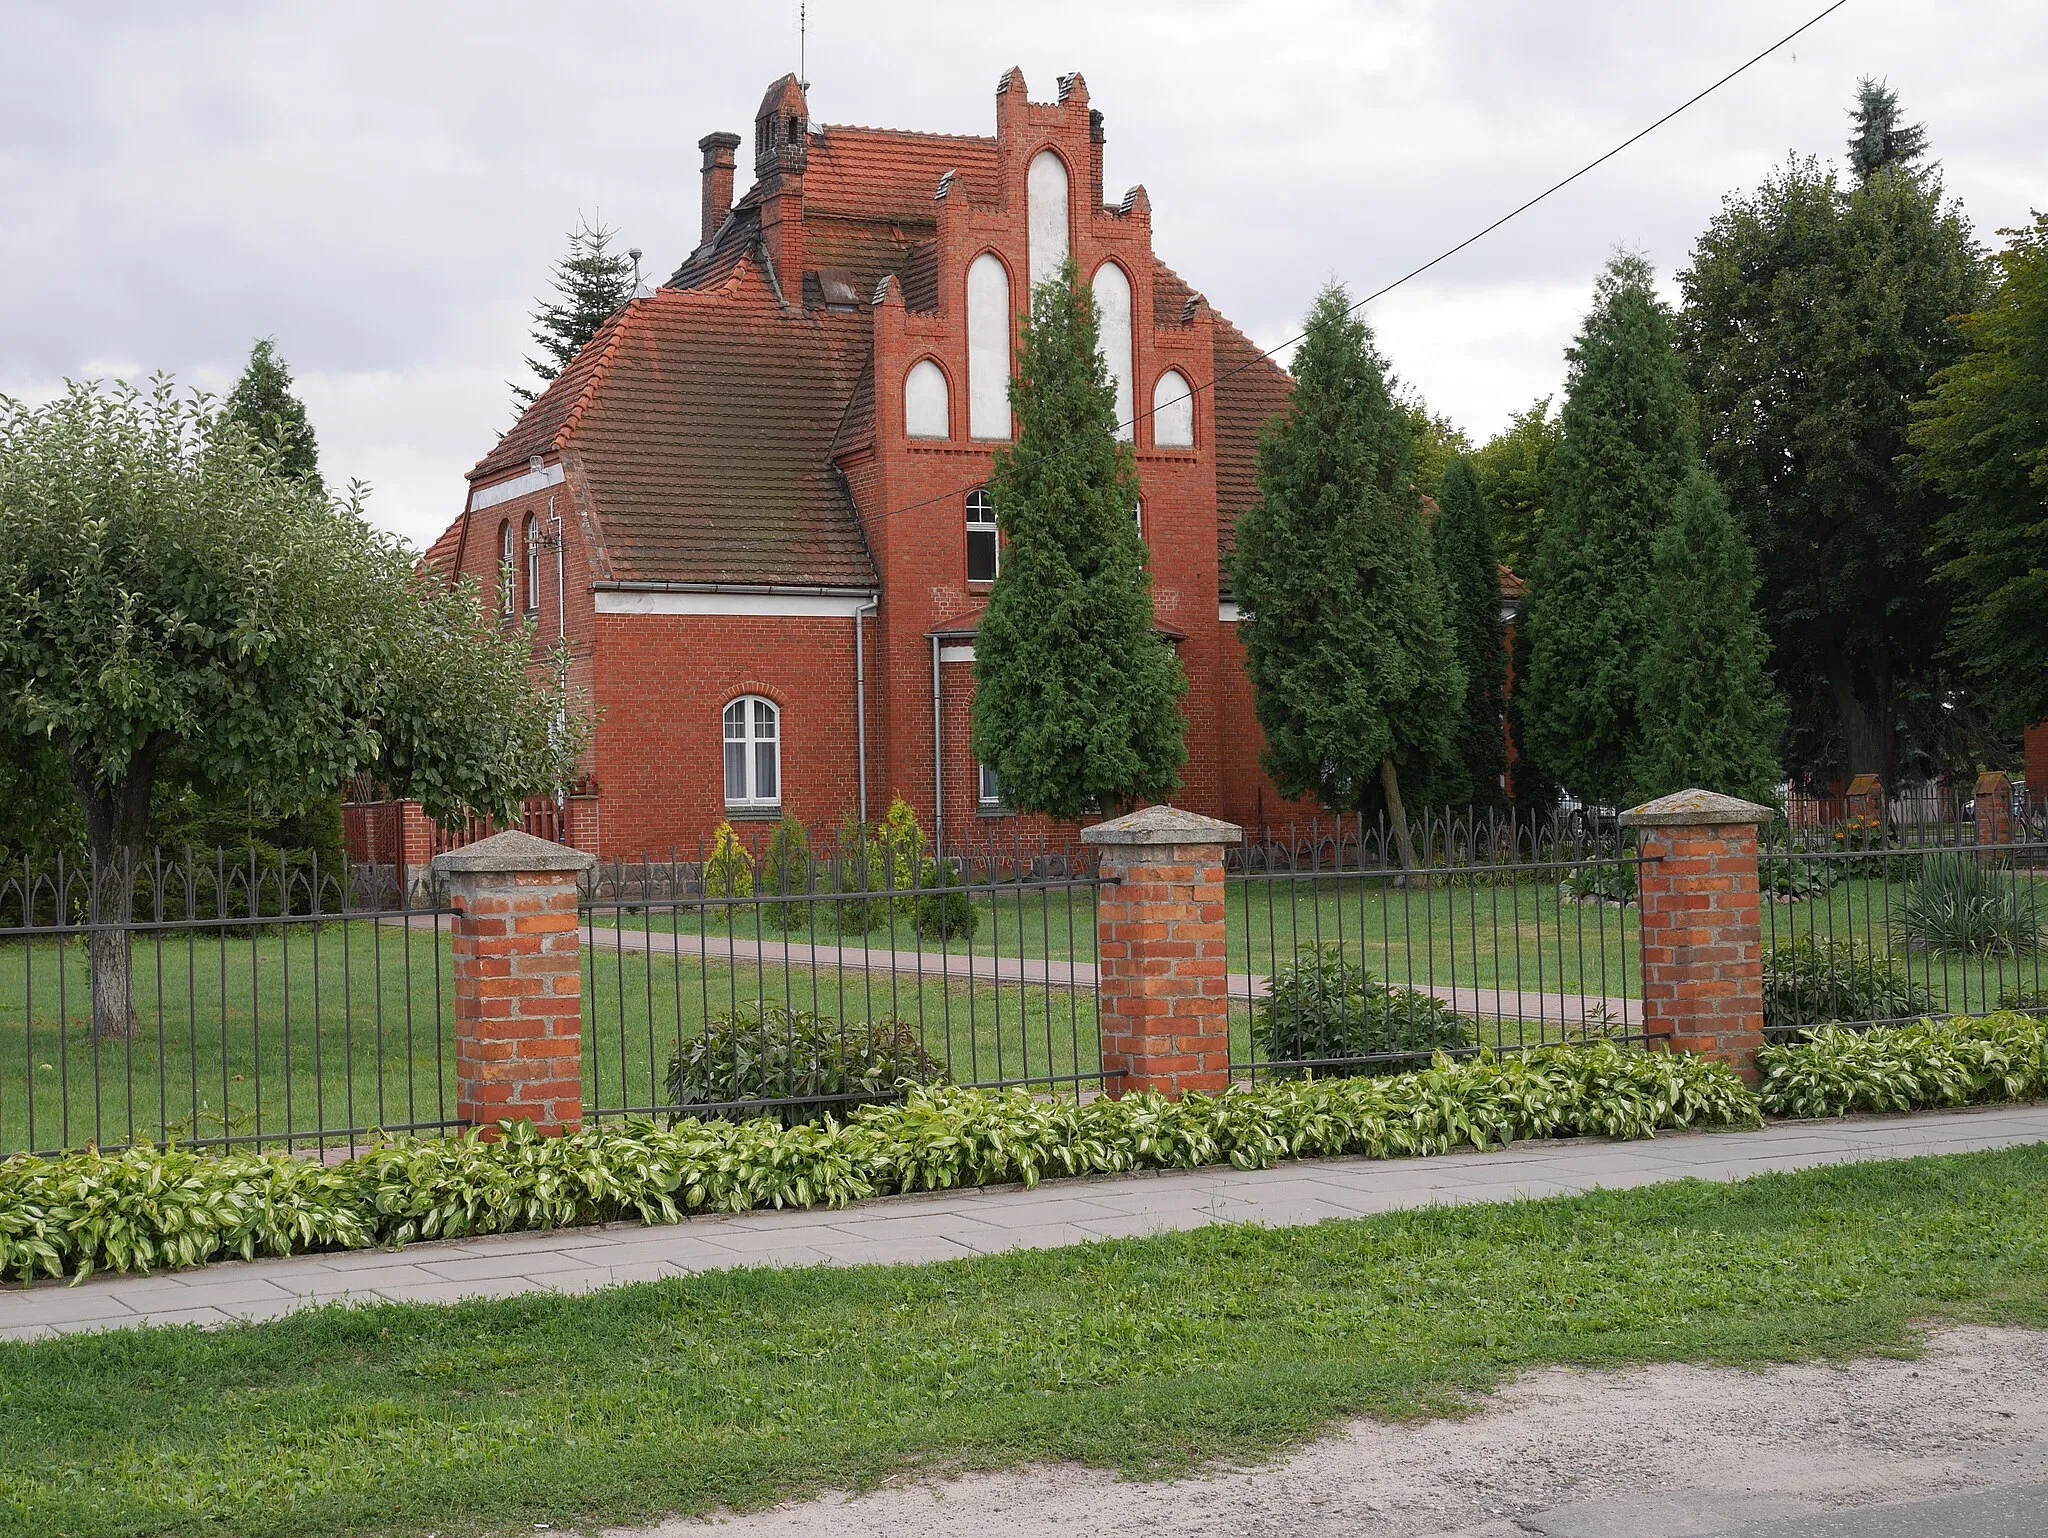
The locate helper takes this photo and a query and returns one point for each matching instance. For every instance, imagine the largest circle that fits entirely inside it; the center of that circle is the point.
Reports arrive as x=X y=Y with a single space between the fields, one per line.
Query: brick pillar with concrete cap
x=518 y=980
x=1161 y=953
x=1702 y=925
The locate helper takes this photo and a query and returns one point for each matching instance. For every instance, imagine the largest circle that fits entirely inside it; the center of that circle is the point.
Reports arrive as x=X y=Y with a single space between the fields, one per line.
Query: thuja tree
x=263 y=402
x=1077 y=697
x=591 y=282
x=1711 y=716
x=1817 y=310
x=1982 y=438
x=1628 y=444
x=166 y=595
x=1471 y=574
x=1354 y=670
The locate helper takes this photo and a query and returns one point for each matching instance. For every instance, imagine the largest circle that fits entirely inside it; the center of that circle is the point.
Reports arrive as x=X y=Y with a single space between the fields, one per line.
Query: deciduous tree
x=164 y=592
x=1077 y=696
x=1815 y=315
x=1513 y=466
x=1982 y=438
x=1354 y=669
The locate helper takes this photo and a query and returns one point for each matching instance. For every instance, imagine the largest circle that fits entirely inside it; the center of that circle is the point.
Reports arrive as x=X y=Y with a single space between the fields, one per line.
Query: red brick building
x=751 y=504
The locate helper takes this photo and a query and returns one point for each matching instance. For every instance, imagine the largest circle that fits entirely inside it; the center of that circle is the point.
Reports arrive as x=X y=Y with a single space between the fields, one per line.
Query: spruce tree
x=262 y=401
x=1628 y=446
x=591 y=282
x=1464 y=557
x=1077 y=697
x=1877 y=139
x=1711 y=716
x=1354 y=670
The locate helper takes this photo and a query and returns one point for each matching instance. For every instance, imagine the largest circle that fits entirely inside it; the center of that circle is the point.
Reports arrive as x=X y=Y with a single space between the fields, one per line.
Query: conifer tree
x=1628 y=446
x=1877 y=139
x=1354 y=671
x=1077 y=697
x=262 y=401
x=1711 y=716
x=1464 y=557
x=591 y=282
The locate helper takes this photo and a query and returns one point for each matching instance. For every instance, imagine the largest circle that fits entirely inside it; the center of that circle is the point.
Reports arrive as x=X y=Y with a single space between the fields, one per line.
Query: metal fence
x=1509 y=934
x=219 y=1002
x=769 y=974
x=1876 y=926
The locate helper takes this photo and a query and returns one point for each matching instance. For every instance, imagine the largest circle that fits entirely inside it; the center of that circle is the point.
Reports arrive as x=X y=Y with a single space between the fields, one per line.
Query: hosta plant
x=1809 y=981
x=767 y=1052
x=1930 y=1063
x=1324 y=1011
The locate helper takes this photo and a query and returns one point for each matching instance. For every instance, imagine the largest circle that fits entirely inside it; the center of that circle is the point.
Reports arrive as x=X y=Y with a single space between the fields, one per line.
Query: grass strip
x=1151 y=1356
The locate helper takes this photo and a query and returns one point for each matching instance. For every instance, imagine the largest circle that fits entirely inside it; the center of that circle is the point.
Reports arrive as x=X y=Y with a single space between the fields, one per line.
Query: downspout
x=860 y=699
x=938 y=755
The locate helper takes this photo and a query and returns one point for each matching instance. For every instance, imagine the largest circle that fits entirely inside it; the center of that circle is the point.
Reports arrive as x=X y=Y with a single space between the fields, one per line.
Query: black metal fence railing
x=1507 y=935
x=252 y=1002
x=766 y=978
x=1883 y=928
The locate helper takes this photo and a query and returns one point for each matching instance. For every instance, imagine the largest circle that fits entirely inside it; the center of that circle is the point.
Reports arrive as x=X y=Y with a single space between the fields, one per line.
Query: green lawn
x=1152 y=1356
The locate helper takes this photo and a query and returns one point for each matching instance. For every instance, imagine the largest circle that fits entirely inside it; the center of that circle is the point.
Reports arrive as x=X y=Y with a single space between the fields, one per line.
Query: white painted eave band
x=956 y=654
x=765 y=605
x=518 y=486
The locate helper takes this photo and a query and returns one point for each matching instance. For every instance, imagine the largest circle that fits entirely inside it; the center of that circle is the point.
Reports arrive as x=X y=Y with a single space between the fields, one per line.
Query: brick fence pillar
x=518 y=981
x=1993 y=806
x=1160 y=951
x=1702 y=929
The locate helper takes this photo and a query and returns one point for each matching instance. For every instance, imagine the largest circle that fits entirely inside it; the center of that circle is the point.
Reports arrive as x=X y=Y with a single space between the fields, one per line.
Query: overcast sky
x=383 y=186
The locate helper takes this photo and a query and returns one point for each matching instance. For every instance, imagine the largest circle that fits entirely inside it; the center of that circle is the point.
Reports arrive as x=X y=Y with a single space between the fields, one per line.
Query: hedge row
x=149 y=1208
x=1916 y=1067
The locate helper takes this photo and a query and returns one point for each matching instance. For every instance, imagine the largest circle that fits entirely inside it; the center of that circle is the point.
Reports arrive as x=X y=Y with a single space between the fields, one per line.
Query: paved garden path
x=1531 y=1005
x=955 y=1224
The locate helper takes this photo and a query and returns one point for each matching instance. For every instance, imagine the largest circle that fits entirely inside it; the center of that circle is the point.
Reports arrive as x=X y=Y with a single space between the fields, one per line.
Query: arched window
x=1045 y=192
x=753 y=752
x=927 y=403
x=984 y=550
x=1138 y=517
x=1173 y=412
x=988 y=348
x=1113 y=301
x=532 y=564
x=508 y=569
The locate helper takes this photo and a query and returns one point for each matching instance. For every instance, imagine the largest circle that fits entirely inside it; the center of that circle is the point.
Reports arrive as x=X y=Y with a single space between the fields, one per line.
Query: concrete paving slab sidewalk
x=957 y=1224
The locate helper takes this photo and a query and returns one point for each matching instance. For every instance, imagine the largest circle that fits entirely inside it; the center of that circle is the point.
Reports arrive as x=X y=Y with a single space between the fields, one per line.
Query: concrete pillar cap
x=1162 y=825
x=1695 y=809
x=510 y=852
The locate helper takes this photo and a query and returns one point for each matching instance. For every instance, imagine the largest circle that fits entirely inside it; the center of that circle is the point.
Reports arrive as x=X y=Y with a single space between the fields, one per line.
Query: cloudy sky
x=382 y=186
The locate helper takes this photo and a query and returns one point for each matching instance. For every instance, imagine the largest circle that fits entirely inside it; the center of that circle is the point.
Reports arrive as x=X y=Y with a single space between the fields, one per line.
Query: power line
x=1470 y=240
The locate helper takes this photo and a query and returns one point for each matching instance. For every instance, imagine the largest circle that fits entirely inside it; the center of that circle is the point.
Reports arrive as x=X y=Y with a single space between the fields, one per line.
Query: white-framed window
x=753 y=752
x=532 y=564
x=508 y=569
x=990 y=794
x=984 y=546
x=927 y=402
x=1173 y=412
x=1138 y=517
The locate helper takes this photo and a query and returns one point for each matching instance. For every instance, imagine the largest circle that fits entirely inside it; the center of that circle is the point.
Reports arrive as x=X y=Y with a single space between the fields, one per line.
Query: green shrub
x=1605 y=882
x=2023 y=1001
x=1794 y=880
x=765 y=1052
x=1322 y=1008
x=151 y=1208
x=785 y=872
x=1932 y=1063
x=1808 y=981
x=1957 y=902
x=729 y=872
x=945 y=913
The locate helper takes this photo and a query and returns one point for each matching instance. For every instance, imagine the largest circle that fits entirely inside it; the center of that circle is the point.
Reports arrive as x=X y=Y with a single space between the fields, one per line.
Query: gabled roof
x=1250 y=391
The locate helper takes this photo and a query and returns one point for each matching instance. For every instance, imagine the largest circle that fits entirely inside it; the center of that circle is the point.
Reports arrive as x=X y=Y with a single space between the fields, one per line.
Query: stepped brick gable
x=747 y=505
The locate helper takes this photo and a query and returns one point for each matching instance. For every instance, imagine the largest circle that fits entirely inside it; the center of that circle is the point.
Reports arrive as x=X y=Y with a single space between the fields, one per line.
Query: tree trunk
x=116 y=827
x=1397 y=814
x=1865 y=724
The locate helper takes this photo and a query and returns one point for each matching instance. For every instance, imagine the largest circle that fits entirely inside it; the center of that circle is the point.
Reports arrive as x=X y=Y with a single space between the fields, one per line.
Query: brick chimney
x=781 y=138
x=718 y=163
